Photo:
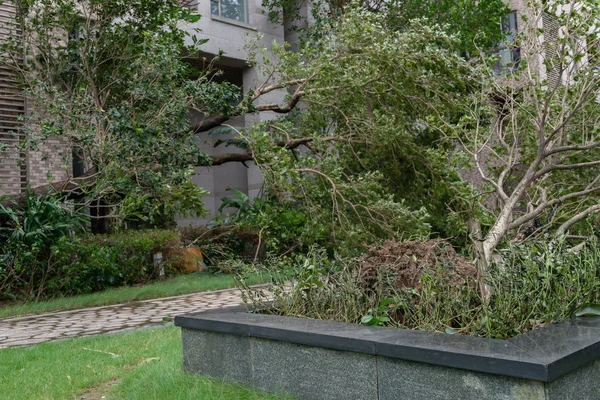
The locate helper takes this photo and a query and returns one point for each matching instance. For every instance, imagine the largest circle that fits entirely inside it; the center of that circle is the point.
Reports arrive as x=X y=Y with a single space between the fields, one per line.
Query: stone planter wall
x=312 y=359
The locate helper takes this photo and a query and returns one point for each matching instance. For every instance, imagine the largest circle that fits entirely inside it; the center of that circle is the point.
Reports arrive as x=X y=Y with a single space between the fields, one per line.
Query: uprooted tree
x=373 y=156
x=393 y=115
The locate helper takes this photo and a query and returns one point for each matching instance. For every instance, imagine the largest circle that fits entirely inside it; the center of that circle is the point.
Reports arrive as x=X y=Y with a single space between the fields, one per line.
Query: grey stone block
x=582 y=384
x=217 y=355
x=313 y=373
x=329 y=360
x=400 y=380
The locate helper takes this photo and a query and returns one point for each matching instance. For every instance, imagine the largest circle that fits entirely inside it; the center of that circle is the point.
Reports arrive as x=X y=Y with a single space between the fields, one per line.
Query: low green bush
x=537 y=283
x=94 y=263
x=90 y=263
x=27 y=232
x=279 y=225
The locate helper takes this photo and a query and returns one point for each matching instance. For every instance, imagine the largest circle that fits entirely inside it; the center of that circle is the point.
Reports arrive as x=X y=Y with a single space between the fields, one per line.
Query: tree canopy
x=110 y=78
x=476 y=23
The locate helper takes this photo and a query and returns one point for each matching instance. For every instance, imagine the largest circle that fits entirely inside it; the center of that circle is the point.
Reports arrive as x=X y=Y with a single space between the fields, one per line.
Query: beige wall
x=230 y=38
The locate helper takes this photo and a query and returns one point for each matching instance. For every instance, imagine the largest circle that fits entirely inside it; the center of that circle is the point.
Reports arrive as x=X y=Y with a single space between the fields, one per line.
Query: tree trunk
x=485 y=248
x=481 y=261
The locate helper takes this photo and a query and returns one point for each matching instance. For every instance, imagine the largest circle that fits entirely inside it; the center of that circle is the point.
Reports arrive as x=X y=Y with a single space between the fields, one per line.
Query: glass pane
x=509 y=26
x=508 y=62
x=234 y=9
x=509 y=56
x=214 y=7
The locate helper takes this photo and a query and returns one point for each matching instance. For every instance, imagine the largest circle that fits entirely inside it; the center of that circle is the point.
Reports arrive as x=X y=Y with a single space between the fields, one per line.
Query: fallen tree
x=120 y=92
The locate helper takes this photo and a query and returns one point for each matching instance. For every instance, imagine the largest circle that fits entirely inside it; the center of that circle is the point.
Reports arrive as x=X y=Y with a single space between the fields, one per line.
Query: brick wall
x=51 y=163
x=19 y=167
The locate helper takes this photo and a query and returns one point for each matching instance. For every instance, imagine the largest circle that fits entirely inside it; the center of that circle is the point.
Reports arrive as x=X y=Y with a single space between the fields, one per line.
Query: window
x=231 y=9
x=509 y=55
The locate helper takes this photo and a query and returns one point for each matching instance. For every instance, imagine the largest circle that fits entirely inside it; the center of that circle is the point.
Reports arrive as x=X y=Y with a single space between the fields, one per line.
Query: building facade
x=20 y=167
x=228 y=25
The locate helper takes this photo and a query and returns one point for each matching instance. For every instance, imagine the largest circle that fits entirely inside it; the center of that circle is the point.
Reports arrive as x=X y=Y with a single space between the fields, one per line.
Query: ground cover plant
x=428 y=286
x=144 y=364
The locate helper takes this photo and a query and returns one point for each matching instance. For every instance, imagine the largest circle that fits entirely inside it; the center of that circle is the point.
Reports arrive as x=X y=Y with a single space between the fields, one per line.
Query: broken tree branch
x=576 y=218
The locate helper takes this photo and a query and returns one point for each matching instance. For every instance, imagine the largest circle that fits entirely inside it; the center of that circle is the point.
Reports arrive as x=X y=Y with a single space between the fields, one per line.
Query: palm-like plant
x=40 y=221
x=27 y=234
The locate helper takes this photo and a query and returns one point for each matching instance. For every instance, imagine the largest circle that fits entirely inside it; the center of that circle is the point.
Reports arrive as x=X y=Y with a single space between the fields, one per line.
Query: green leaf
x=223 y=130
x=194 y=18
x=386 y=302
x=366 y=320
x=588 y=310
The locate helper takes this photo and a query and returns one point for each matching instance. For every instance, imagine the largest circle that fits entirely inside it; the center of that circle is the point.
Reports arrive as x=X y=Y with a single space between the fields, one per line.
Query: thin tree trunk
x=480 y=259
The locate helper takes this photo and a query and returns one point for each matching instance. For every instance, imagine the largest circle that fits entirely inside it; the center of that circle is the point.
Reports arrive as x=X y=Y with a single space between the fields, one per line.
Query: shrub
x=537 y=284
x=88 y=264
x=279 y=225
x=27 y=233
x=98 y=262
x=40 y=221
x=540 y=283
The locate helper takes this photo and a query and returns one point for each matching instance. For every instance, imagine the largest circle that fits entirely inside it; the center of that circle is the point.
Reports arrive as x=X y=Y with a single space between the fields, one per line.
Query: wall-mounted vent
x=552 y=60
x=13 y=161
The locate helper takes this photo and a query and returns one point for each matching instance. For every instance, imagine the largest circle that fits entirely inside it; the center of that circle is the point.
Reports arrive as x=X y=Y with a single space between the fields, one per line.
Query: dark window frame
x=506 y=50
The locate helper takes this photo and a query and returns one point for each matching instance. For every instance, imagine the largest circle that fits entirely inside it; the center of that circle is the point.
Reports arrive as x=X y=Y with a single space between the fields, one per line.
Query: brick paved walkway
x=92 y=321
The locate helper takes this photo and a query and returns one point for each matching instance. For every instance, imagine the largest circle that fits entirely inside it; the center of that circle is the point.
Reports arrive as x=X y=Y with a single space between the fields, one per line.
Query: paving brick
x=36 y=329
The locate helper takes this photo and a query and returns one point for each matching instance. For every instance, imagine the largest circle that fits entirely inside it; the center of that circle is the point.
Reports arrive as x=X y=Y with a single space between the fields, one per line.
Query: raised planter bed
x=312 y=359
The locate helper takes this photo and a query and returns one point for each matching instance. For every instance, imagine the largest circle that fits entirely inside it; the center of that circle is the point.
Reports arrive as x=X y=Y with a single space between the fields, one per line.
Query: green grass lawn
x=171 y=287
x=143 y=364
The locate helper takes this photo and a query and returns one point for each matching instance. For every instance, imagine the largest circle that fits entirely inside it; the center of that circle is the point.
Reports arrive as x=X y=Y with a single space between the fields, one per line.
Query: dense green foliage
x=538 y=283
x=378 y=103
x=476 y=23
x=27 y=235
x=109 y=79
x=39 y=222
x=40 y=258
x=280 y=226
x=94 y=263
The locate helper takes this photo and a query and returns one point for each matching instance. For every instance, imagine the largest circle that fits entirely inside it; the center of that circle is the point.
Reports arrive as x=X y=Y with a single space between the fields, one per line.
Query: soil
x=98 y=392
x=407 y=260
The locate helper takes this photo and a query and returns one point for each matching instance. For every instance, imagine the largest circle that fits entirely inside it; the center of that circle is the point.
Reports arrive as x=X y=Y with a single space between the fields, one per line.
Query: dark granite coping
x=542 y=355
